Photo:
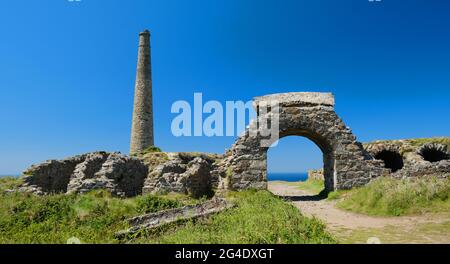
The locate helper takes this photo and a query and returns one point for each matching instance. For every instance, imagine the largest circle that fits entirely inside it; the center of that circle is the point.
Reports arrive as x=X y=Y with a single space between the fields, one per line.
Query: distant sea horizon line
x=287 y=176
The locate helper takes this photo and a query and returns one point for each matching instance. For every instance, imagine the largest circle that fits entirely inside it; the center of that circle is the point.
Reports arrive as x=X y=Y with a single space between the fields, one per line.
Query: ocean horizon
x=287 y=176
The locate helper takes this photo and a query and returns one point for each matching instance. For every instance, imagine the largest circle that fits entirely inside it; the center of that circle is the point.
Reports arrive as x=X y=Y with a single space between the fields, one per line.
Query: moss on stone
x=154 y=159
x=411 y=145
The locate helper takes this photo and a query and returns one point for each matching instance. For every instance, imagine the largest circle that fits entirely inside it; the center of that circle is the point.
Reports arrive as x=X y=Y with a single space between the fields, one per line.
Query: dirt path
x=357 y=228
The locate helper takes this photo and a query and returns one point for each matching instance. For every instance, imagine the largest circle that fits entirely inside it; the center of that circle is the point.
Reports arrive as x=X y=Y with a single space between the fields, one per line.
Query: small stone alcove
x=434 y=152
x=393 y=160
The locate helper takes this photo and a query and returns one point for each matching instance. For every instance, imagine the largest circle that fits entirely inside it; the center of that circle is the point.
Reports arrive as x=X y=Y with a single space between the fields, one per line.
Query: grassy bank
x=93 y=217
x=393 y=197
x=259 y=217
x=314 y=187
x=390 y=197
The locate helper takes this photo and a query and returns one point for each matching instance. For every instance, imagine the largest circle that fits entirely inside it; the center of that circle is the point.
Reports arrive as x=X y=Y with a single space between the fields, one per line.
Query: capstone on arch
x=311 y=115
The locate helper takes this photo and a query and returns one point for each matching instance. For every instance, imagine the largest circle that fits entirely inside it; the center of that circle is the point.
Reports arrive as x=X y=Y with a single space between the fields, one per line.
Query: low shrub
x=394 y=197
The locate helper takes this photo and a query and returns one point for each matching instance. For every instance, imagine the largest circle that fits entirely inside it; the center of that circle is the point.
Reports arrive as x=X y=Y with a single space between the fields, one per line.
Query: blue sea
x=290 y=177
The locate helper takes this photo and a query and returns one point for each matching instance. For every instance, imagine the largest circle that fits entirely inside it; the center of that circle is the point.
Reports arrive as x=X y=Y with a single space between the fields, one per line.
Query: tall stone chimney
x=142 y=127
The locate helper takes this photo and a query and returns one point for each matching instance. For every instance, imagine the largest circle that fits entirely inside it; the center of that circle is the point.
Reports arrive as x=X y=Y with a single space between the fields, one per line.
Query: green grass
x=411 y=145
x=312 y=186
x=151 y=149
x=7 y=183
x=393 y=197
x=260 y=217
x=338 y=194
x=438 y=140
x=92 y=217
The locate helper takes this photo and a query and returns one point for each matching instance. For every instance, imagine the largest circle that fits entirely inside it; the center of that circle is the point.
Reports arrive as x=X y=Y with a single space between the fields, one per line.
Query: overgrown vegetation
x=92 y=217
x=389 y=197
x=151 y=149
x=409 y=145
x=8 y=183
x=393 y=197
x=438 y=140
x=312 y=186
x=259 y=217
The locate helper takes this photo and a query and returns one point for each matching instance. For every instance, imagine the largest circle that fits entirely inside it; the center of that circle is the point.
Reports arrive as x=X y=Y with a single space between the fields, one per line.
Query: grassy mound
x=393 y=197
x=260 y=217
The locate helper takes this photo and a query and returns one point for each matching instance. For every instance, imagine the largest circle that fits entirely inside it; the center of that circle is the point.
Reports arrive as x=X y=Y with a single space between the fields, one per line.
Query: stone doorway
x=295 y=159
x=310 y=115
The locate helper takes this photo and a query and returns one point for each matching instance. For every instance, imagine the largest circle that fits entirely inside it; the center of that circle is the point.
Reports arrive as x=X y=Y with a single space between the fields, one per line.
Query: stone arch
x=310 y=115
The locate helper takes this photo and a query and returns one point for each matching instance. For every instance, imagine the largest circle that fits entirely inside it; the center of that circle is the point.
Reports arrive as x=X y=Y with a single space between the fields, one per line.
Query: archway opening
x=295 y=162
x=392 y=159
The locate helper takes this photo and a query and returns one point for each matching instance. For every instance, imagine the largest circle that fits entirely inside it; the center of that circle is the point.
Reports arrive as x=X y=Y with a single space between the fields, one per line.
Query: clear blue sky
x=67 y=69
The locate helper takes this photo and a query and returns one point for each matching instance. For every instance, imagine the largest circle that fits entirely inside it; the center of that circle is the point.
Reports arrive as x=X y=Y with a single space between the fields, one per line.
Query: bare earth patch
x=350 y=227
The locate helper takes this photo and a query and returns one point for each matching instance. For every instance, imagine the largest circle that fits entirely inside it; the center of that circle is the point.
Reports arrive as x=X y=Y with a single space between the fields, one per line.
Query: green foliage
x=93 y=217
x=260 y=217
x=229 y=173
x=312 y=186
x=438 y=140
x=8 y=183
x=410 y=145
x=151 y=149
x=150 y=204
x=393 y=197
x=335 y=195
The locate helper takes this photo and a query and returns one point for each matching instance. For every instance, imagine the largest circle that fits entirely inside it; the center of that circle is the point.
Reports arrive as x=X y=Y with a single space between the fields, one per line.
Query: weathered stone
x=142 y=125
x=186 y=173
x=309 y=115
x=413 y=158
x=298 y=99
x=51 y=176
x=119 y=174
x=347 y=163
x=316 y=175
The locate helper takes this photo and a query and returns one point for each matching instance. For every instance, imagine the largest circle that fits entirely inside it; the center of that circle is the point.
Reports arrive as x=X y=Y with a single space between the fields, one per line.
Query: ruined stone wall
x=316 y=175
x=52 y=175
x=184 y=173
x=119 y=174
x=346 y=162
x=311 y=115
x=153 y=173
x=413 y=157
